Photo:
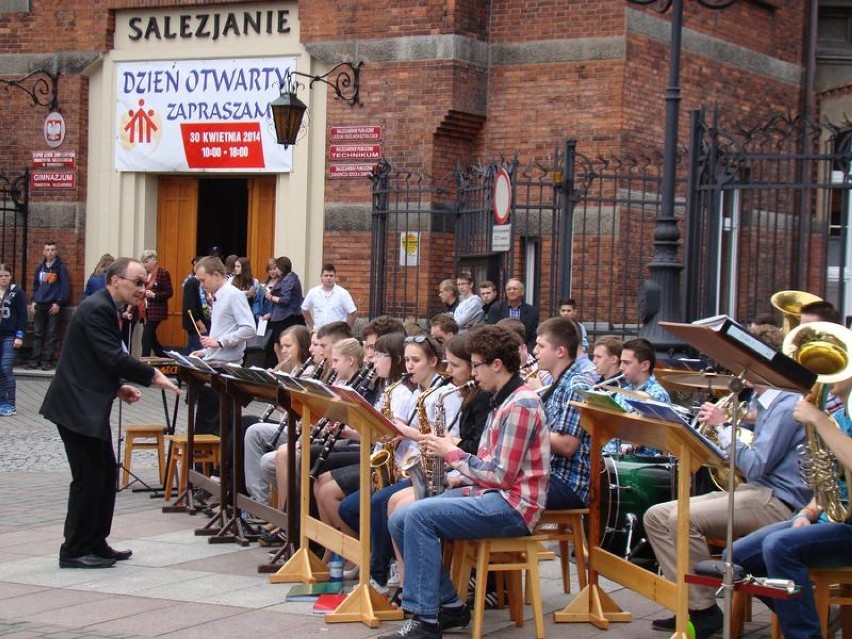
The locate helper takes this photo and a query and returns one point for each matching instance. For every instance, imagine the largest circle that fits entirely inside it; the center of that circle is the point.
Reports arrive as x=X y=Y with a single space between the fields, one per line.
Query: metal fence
x=14 y=229
x=768 y=210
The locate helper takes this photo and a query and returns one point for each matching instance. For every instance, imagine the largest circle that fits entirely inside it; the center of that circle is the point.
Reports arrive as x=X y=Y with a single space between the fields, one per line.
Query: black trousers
x=91 y=495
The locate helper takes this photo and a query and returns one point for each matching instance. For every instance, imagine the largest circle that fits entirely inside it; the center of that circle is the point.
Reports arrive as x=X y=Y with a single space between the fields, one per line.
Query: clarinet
x=272 y=444
x=270 y=408
x=332 y=437
x=317 y=430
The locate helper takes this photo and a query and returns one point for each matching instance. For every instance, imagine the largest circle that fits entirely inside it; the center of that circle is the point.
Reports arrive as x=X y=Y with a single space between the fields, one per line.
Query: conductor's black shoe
x=112 y=553
x=453 y=618
x=415 y=629
x=667 y=623
x=86 y=561
x=707 y=621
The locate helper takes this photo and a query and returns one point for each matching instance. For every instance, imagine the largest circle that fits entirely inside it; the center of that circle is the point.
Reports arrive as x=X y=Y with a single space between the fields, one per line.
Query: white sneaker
x=351 y=574
x=382 y=590
x=393 y=579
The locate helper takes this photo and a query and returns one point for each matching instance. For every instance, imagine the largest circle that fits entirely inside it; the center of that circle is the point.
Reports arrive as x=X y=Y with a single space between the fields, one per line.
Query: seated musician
x=502 y=492
x=772 y=492
x=637 y=363
x=788 y=549
x=606 y=356
x=556 y=349
x=261 y=438
x=533 y=375
x=333 y=486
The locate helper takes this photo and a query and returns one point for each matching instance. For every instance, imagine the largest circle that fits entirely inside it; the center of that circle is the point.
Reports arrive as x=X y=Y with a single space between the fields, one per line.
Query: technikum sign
x=199 y=115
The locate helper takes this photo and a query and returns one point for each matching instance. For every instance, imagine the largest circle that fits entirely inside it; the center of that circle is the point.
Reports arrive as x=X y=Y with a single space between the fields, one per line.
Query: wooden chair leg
x=580 y=551
x=534 y=585
x=483 y=552
x=161 y=457
x=128 y=453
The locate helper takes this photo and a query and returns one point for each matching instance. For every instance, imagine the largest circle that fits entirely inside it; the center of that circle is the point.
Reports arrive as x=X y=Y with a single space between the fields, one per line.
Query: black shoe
x=47 y=366
x=415 y=629
x=453 y=618
x=707 y=621
x=667 y=623
x=31 y=365
x=112 y=553
x=86 y=561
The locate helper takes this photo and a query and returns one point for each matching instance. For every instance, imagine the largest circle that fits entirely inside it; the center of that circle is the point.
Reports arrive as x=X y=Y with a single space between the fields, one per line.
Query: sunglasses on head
x=420 y=339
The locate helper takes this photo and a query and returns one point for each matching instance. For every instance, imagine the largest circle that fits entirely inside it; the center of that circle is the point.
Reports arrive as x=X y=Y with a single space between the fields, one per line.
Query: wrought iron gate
x=14 y=228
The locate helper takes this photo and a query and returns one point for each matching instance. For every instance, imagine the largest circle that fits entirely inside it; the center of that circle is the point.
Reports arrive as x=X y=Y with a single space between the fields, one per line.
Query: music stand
x=749 y=359
x=363 y=604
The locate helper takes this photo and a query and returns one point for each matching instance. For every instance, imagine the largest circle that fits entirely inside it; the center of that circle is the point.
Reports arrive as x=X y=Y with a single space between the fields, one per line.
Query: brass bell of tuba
x=790 y=304
x=824 y=349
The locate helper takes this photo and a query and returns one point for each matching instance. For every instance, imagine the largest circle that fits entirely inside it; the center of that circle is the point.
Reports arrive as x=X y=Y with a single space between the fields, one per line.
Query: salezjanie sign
x=199 y=115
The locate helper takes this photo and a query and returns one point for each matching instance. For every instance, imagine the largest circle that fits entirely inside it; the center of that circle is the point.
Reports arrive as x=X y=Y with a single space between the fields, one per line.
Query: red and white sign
x=53 y=179
x=368 y=133
x=54 y=159
x=502 y=196
x=339 y=171
x=223 y=145
x=54 y=129
x=355 y=152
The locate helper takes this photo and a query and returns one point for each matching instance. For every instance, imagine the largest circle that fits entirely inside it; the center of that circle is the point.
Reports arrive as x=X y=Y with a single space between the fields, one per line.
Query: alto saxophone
x=382 y=464
x=427 y=473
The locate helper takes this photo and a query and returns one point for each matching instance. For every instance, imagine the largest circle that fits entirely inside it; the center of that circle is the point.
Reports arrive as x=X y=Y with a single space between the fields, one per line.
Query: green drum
x=630 y=484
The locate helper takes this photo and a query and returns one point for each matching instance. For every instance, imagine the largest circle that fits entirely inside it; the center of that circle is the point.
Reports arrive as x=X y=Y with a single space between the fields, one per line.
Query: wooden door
x=261 y=223
x=177 y=220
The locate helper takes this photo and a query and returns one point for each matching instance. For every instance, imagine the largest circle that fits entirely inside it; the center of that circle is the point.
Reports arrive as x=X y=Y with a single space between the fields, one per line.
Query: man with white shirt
x=329 y=302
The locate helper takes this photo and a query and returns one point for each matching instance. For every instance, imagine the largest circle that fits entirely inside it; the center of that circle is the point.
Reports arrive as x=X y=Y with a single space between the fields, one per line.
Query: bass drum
x=630 y=484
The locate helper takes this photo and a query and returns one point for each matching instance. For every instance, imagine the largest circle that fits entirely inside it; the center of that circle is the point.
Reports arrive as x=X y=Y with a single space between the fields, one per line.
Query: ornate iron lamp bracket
x=346 y=84
x=41 y=86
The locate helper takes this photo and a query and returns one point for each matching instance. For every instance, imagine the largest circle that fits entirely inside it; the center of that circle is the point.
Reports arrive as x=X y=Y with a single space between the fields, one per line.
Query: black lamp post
x=288 y=110
x=661 y=293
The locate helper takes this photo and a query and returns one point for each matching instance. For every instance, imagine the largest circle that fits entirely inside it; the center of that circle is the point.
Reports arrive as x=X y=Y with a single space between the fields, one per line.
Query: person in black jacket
x=515 y=307
x=194 y=308
x=89 y=377
x=13 y=323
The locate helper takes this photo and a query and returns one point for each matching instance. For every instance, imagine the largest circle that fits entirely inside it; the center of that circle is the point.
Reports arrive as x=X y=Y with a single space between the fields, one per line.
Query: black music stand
x=749 y=359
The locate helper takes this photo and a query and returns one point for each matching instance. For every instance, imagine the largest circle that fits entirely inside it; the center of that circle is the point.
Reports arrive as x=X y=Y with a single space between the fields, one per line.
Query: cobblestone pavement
x=177 y=584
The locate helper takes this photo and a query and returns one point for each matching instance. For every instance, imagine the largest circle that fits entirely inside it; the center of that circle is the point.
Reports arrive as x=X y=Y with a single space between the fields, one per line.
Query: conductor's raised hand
x=161 y=381
x=129 y=394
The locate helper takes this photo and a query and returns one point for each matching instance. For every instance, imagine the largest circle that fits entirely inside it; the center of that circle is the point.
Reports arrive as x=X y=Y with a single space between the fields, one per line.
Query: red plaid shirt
x=157 y=308
x=514 y=453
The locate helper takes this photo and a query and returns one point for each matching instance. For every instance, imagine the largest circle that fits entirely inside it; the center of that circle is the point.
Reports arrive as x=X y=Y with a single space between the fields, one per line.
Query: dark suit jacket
x=529 y=318
x=92 y=366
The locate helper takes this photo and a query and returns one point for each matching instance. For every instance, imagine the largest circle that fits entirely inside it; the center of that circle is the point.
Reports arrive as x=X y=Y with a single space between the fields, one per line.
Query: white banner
x=199 y=115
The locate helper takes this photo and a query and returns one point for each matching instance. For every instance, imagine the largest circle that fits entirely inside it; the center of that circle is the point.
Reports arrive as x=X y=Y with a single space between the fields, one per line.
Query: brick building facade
x=448 y=82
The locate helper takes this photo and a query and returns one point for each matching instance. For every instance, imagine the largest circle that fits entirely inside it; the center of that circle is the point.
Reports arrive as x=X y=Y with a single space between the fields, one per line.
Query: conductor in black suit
x=515 y=307
x=92 y=368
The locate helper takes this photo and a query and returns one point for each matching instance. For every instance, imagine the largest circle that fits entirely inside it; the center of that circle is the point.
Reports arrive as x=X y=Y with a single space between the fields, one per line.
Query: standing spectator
x=158 y=290
x=262 y=307
x=51 y=291
x=488 y=294
x=196 y=311
x=230 y=265
x=448 y=293
x=286 y=297
x=244 y=280
x=328 y=302
x=469 y=312
x=516 y=308
x=13 y=323
x=90 y=375
x=97 y=280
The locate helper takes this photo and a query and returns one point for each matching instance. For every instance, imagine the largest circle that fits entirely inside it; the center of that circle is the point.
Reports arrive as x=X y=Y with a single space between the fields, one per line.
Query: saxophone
x=427 y=473
x=382 y=465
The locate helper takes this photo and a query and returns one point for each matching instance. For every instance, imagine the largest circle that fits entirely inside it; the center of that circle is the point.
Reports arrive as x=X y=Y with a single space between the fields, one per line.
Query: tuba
x=824 y=349
x=382 y=465
x=790 y=304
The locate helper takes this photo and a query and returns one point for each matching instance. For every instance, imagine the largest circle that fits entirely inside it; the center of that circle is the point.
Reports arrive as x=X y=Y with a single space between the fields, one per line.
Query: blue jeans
x=783 y=552
x=381 y=548
x=560 y=496
x=419 y=527
x=7 y=379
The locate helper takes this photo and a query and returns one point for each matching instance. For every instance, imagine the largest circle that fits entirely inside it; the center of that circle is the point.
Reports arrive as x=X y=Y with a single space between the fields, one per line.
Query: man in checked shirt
x=501 y=493
x=556 y=349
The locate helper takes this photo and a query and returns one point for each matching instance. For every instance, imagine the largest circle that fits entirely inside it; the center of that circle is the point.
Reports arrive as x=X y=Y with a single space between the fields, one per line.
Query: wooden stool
x=832 y=586
x=568 y=527
x=501 y=554
x=140 y=438
x=206 y=453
